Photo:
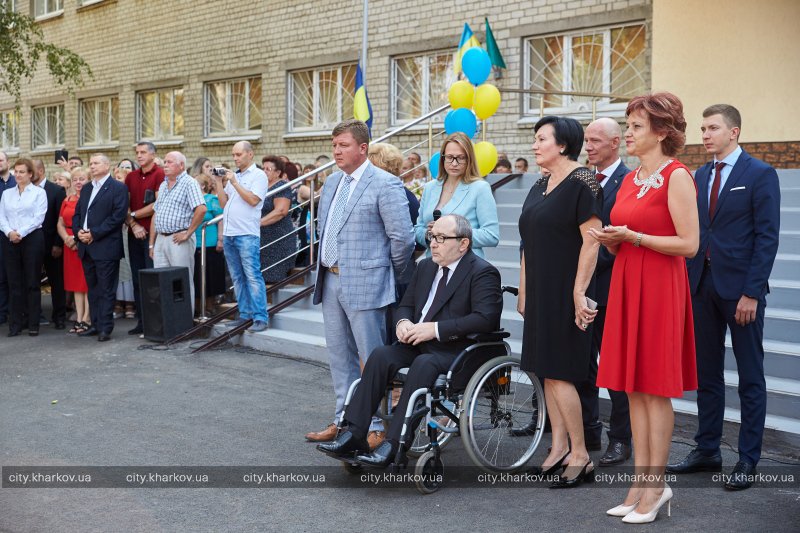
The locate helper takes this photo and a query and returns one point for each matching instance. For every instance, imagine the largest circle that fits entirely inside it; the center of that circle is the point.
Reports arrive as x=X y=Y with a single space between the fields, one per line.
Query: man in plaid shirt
x=178 y=212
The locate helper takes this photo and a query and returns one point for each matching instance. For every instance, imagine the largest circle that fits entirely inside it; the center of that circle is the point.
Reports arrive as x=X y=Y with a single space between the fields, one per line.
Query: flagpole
x=364 y=43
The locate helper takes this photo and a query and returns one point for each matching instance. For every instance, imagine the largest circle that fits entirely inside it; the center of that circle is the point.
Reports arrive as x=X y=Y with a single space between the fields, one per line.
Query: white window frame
x=316 y=125
x=8 y=5
x=108 y=140
x=160 y=135
x=581 y=110
x=47 y=14
x=7 y=145
x=59 y=109
x=207 y=109
x=426 y=76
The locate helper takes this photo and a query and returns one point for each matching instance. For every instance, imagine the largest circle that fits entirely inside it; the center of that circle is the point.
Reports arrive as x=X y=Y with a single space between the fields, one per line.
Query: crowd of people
x=645 y=267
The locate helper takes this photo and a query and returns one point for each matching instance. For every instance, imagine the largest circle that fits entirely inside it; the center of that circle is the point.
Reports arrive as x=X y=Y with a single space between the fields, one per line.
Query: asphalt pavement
x=75 y=402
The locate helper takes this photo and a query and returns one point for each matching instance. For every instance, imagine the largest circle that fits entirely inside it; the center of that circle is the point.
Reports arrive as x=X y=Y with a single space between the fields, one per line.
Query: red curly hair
x=665 y=112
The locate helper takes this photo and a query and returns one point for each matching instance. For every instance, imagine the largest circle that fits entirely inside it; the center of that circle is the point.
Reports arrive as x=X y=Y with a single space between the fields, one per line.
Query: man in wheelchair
x=451 y=295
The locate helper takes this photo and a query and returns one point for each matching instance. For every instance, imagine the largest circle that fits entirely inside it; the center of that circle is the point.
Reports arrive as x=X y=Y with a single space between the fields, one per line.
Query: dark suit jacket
x=743 y=236
x=105 y=218
x=472 y=304
x=55 y=195
x=605 y=259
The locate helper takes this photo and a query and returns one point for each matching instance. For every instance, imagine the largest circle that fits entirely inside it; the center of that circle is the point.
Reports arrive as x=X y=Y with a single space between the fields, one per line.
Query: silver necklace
x=654 y=180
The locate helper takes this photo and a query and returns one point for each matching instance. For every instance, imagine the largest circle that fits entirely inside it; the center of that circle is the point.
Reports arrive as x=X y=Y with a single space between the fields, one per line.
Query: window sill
x=86 y=5
x=163 y=142
x=233 y=138
x=11 y=151
x=50 y=16
x=96 y=147
x=47 y=149
x=300 y=135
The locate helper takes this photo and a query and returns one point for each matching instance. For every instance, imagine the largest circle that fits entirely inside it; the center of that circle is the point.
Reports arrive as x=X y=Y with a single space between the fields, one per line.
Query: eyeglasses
x=457 y=159
x=439 y=238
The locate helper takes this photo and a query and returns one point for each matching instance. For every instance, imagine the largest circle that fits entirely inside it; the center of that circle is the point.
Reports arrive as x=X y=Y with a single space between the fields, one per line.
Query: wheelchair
x=483 y=395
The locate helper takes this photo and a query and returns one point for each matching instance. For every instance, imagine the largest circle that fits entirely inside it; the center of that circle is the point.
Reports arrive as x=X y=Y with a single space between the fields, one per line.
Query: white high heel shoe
x=622 y=510
x=638 y=518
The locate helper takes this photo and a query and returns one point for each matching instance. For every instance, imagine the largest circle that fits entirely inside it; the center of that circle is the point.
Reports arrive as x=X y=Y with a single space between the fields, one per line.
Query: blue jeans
x=244 y=264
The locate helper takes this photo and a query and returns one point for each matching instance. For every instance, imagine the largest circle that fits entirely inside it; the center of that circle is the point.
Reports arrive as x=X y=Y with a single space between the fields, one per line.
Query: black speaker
x=166 y=302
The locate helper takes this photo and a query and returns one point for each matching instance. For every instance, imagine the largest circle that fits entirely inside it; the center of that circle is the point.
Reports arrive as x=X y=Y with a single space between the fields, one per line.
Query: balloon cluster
x=472 y=99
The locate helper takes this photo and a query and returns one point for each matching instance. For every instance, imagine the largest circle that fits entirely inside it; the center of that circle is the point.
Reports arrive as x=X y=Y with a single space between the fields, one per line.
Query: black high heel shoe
x=584 y=476
x=557 y=467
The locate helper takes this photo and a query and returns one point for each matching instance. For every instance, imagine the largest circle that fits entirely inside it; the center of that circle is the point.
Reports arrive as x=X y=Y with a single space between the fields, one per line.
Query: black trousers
x=102 y=278
x=54 y=267
x=23 y=262
x=380 y=369
x=620 y=422
x=139 y=258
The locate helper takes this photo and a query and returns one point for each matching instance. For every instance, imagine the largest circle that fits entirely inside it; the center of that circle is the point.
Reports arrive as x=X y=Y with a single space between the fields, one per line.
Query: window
x=48 y=127
x=98 y=121
x=42 y=8
x=8 y=5
x=420 y=84
x=321 y=98
x=159 y=114
x=233 y=107
x=605 y=60
x=9 y=130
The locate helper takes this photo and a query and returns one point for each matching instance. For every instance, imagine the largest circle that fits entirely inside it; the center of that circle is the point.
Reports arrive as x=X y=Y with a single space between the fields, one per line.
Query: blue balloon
x=476 y=65
x=433 y=165
x=462 y=120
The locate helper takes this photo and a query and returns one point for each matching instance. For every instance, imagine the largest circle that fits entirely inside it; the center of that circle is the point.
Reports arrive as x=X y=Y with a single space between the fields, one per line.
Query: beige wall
x=740 y=52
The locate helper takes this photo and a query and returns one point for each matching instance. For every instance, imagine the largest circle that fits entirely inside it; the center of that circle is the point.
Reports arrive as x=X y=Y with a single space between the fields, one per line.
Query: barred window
x=42 y=8
x=9 y=130
x=99 y=121
x=159 y=114
x=320 y=98
x=608 y=60
x=420 y=84
x=48 y=126
x=233 y=107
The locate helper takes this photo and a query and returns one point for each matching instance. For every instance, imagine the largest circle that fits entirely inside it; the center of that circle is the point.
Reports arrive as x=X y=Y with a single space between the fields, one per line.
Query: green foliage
x=22 y=46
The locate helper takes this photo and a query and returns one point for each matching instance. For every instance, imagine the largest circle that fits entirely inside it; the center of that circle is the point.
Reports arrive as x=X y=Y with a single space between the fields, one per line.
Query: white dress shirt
x=432 y=293
x=608 y=171
x=24 y=212
x=96 y=186
x=729 y=161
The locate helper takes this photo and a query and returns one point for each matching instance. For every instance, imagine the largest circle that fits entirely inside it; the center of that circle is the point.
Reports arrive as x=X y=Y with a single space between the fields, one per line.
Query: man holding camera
x=142 y=185
x=241 y=200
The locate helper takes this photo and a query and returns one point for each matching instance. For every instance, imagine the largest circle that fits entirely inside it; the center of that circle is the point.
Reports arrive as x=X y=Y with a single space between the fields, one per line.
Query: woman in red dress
x=648 y=349
x=74 y=280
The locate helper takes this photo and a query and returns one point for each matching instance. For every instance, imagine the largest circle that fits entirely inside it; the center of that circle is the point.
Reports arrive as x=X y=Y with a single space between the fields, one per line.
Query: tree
x=22 y=46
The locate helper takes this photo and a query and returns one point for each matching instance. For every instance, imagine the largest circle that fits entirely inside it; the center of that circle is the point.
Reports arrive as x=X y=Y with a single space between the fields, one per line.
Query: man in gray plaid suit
x=366 y=241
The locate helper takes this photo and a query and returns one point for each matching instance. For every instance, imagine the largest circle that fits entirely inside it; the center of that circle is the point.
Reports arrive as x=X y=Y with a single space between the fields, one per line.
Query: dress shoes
x=34 y=332
x=381 y=457
x=103 y=337
x=616 y=453
x=91 y=332
x=136 y=331
x=742 y=476
x=375 y=438
x=585 y=475
x=326 y=435
x=697 y=461
x=345 y=446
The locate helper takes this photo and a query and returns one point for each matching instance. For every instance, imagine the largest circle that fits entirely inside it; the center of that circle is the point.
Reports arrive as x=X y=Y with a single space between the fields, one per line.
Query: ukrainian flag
x=362 y=109
x=468 y=40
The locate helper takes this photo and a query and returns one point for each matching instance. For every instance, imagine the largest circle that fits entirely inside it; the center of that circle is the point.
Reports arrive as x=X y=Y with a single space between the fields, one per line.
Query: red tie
x=712 y=202
x=600 y=177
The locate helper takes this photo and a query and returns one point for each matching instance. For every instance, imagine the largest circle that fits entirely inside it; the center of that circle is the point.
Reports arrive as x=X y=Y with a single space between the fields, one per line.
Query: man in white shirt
x=241 y=200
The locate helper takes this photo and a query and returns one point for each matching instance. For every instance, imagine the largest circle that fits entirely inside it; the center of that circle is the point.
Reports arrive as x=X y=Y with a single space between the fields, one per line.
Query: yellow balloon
x=461 y=94
x=487 y=100
x=485 y=156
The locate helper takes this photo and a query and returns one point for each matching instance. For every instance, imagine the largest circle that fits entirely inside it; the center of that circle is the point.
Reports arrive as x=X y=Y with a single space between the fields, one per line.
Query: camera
x=219 y=171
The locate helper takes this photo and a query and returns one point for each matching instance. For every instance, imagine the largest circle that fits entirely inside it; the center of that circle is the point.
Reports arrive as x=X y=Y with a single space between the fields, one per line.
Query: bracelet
x=638 y=239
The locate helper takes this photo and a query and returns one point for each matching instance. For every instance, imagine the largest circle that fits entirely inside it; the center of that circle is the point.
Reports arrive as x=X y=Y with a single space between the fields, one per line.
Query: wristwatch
x=133 y=214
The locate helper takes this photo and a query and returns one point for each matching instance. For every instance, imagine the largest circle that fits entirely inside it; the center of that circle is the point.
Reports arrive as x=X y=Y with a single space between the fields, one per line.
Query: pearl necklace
x=654 y=180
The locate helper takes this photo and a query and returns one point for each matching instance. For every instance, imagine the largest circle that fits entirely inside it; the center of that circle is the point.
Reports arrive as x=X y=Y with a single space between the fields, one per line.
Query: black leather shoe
x=136 y=331
x=742 y=476
x=616 y=453
x=585 y=475
x=91 y=332
x=697 y=461
x=33 y=332
x=381 y=457
x=524 y=431
x=103 y=337
x=345 y=446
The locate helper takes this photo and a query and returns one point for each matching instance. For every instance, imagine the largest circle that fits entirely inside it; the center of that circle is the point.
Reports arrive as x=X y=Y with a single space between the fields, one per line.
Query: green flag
x=492 y=48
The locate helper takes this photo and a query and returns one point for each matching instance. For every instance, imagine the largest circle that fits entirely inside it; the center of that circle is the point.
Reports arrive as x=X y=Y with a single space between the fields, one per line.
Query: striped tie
x=330 y=255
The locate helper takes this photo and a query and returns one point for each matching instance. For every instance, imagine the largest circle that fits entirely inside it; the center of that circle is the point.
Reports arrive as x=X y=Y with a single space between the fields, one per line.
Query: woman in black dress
x=276 y=223
x=557 y=267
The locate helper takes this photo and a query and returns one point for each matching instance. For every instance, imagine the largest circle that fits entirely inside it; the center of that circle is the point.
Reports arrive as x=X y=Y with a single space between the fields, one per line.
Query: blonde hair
x=387 y=157
x=471 y=173
x=204 y=181
x=77 y=171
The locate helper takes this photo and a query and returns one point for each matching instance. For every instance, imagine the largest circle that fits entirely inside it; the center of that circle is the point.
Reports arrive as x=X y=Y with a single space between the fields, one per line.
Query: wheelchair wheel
x=499 y=397
x=428 y=473
x=421 y=443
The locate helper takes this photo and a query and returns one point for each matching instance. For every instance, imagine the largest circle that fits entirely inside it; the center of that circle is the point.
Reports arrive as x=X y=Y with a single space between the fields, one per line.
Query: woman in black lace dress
x=276 y=223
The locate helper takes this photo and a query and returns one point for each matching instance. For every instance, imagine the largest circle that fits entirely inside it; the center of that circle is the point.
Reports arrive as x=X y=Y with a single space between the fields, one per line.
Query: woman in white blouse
x=22 y=211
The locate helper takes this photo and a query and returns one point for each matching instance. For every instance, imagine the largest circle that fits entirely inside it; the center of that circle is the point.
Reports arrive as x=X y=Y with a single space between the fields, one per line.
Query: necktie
x=439 y=294
x=712 y=201
x=330 y=255
x=600 y=177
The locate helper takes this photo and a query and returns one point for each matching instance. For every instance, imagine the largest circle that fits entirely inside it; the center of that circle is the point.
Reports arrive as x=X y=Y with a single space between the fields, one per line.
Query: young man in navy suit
x=738 y=198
